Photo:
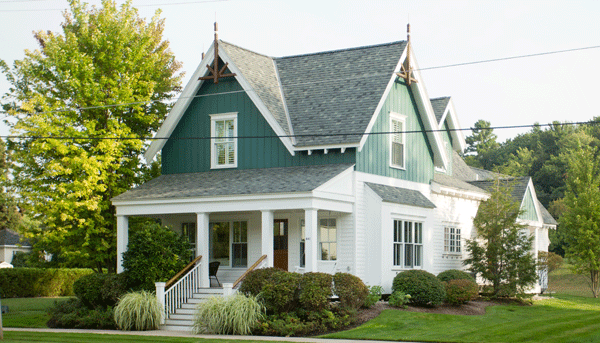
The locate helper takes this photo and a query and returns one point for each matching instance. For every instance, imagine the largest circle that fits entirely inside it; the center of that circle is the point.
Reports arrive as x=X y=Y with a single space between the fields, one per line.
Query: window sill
x=452 y=256
x=397 y=167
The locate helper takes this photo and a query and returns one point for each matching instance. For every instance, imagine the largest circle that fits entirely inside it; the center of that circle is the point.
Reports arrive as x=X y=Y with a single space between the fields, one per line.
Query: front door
x=280 y=244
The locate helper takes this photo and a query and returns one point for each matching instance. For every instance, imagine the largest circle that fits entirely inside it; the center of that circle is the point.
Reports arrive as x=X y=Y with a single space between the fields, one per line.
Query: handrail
x=252 y=267
x=183 y=271
x=182 y=290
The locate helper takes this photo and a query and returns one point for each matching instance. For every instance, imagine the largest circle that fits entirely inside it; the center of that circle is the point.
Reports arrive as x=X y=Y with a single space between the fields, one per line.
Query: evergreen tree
x=501 y=253
x=481 y=145
x=105 y=76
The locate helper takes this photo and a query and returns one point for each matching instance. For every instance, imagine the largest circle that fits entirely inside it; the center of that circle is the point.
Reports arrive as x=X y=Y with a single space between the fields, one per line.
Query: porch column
x=122 y=240
x=311 y=247
x=267 y=218
x=202 y=246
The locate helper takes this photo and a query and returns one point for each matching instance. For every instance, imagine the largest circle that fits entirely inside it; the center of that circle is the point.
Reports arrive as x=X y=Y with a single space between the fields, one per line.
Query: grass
x=27 y=312
x=564 y=318
x=48 y=337
x=564 y=281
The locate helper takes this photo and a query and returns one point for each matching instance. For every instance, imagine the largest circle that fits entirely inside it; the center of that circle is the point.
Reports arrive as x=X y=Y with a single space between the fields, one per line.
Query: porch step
x=183 y=318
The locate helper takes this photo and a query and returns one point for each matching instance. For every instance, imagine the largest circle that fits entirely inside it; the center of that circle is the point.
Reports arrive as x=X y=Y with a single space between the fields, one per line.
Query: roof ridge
x=440 y=98
x=248 y=50
x=341 y=50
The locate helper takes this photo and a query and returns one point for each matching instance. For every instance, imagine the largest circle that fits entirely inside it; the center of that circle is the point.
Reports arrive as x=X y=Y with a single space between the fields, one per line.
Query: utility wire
x=329 y=80
x=62 y=9
x=342 y=134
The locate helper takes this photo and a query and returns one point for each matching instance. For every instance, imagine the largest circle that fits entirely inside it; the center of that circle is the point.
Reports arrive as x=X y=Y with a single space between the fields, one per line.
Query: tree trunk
x=594 y=282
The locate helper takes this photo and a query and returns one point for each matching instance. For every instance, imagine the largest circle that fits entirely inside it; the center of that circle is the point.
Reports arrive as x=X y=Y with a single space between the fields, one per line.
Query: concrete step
x=186 y=310
x=183 y=328
x=181 y=316
x=179 y=322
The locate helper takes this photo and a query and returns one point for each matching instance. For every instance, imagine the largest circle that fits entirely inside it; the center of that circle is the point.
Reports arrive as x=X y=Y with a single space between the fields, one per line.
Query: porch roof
x=234 y=182
x=401 y=195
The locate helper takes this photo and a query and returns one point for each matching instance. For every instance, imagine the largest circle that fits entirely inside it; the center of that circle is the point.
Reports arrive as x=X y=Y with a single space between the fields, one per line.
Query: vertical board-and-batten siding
x=528 y=207
x=188 y=148
x=374 y=158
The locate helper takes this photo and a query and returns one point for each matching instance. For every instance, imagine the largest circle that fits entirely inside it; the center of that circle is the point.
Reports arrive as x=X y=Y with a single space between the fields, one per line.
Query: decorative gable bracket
x=216 y=72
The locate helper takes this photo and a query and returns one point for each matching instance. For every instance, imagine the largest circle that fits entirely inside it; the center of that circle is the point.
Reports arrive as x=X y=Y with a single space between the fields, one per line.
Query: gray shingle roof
x=401 y=195
x=234 y=182
x=454 y=182
x=461 y=170
x=334 y=91
x=9 y=237
x=439 y=106
x=259 y=71
x=546 y=216
x=519 y=186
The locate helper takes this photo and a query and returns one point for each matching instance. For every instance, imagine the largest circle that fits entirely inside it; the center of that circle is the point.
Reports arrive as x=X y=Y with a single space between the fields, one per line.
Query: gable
x=188 y=150
x=529 y=208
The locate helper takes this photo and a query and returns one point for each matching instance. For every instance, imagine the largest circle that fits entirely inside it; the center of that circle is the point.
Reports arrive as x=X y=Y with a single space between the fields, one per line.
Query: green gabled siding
x=448 y=146
x=183 y=155
x=528 y=207
x=375 y=155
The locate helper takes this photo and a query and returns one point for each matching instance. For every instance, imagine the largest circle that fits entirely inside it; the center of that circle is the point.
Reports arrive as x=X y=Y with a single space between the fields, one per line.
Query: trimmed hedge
x=315 y=291
x=351 y=290
x=38 y=282
x=100 y=290
x=455 y=274
x=423 y=287
x=460 y=291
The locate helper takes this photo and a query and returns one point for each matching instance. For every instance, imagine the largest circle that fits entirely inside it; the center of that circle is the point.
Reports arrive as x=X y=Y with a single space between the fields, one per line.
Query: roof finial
x=214 y=69
x=216 y=31
x=408 y=32
x=406 y=71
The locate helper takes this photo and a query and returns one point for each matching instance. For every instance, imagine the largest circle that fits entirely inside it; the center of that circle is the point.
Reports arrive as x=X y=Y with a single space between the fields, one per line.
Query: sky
x=518 y=91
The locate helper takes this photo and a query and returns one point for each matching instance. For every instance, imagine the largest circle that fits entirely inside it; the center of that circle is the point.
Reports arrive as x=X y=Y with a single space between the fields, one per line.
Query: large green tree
x=501 y=252
x=482 y=145
x=580 y=219
x=81 y=102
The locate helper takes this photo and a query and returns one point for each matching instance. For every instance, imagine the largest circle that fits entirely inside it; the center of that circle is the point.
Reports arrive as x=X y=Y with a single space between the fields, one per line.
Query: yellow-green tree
x=76 y=101
x=581 y=217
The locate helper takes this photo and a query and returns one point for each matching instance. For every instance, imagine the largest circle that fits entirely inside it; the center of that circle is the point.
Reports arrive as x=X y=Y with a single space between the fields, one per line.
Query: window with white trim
x=408 y=244
x=302 y=244
x=229 y=243
x=452 y=242
x=397 y=140
x=328 y=239
x=223 y=130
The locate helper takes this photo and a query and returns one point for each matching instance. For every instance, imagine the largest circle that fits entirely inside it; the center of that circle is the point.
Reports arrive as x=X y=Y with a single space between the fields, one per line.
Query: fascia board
x=457 y=136
x=258 y=101
x=377 y=111
x=451 y=191
x=429 y=121
x=327 y=146
x=181 y=105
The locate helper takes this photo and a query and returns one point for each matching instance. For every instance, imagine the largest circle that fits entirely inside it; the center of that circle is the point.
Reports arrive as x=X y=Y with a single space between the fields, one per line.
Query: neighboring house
x=10 y=244
x=324 y=162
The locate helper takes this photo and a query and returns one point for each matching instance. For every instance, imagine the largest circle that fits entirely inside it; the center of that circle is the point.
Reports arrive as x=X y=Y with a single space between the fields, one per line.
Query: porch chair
x=213 y=267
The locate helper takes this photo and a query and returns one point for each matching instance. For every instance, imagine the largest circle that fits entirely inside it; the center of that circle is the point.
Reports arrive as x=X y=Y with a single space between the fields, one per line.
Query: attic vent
x=216 y=72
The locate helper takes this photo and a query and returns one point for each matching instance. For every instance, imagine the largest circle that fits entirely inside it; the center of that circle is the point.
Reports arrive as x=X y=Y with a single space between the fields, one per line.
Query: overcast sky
x=514 y=92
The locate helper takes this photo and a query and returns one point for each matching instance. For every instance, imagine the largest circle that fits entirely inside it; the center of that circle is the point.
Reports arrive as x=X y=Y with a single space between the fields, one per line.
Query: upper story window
x=397 y=140
x=223 y=130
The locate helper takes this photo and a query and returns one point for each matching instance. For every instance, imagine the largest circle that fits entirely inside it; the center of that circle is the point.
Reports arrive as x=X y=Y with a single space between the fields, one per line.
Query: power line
x=312 y=135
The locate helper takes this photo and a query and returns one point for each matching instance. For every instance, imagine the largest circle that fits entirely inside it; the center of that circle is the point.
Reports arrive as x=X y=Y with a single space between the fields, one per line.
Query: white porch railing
x=259 y=264
x=180 y=291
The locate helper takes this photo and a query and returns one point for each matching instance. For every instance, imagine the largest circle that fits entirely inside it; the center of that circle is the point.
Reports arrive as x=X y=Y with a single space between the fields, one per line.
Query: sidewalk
x=164 y=333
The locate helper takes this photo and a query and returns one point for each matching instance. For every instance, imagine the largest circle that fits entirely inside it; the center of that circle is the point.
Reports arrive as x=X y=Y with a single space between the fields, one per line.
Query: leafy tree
x=106 y=75
x=155 y=253
x=501 y=252
x=483 y=144
x=10 y=216
x=581 y=216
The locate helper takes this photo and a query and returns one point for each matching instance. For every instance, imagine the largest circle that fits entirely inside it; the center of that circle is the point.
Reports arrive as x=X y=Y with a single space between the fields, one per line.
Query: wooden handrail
x=252 y=267
x=183 y=271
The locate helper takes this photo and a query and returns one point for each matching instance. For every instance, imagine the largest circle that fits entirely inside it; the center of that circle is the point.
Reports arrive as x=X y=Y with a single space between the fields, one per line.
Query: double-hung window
x=223 y=132
x=452 y=242
x=328 y=239
x=229 y=243
x=397 y=140
x=408 y=244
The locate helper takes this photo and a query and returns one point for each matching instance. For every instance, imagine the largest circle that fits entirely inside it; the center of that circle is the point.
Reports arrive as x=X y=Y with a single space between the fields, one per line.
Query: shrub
x=154 y=253
x=36 y=282
x=315 y=291
x=546 y=260
x=284 y=325
x=256 y=279
x=351 y=290
x=138 y=311
x=374 y=296
x=424 y=288
x=399 y=299
x=72 y=314
x=460 y=291
x=89 y=289
x=454 y=274
x=280 y=294
x=235 y=315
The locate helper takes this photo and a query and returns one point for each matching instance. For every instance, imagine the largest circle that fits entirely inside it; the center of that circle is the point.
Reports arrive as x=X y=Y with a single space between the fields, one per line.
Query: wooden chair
x=213 y=267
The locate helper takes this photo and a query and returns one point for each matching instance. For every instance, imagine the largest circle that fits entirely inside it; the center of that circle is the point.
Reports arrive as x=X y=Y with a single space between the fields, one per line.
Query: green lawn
x=563 y=281
x=27 y=312
x=565 y=318
x=23 y=337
